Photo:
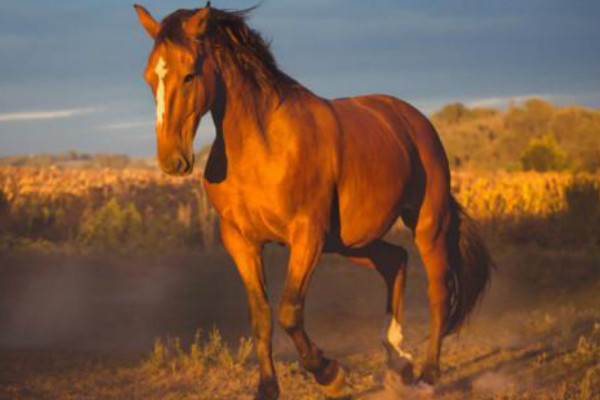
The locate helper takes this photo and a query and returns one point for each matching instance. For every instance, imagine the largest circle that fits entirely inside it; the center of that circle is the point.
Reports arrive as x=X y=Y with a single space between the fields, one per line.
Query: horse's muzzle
x=177 y=165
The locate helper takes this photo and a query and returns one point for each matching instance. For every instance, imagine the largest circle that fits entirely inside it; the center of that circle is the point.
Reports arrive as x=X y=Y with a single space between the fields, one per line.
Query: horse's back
x=387 y=148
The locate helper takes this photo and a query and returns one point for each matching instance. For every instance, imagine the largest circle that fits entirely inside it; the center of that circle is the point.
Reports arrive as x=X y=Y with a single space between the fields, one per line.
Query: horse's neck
x=240 y=113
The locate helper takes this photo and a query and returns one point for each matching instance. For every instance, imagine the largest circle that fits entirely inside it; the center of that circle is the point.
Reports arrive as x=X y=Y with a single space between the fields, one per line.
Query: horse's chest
x=250 y=210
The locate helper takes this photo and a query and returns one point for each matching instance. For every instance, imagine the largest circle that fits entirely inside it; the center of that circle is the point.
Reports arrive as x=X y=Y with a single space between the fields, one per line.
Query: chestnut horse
x=315 y=174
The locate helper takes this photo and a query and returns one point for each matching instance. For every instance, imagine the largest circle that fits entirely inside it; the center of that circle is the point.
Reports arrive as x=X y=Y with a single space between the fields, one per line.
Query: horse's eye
x=188 y=78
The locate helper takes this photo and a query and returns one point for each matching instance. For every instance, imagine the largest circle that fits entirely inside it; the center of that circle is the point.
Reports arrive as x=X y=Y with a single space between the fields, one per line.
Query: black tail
x=470 y=266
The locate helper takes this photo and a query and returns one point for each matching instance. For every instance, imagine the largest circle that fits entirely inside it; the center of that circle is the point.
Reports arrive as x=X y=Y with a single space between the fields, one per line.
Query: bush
x=452 y=113
x=111 y=226
x=4 y=211
x=583 y=204
x=4 y=205
x=168 y=356
x=544 y=155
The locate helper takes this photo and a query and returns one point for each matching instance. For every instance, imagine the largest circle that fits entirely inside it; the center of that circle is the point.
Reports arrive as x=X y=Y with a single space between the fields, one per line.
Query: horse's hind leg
x=430 y=230
x=305 y=251
x=391 y=262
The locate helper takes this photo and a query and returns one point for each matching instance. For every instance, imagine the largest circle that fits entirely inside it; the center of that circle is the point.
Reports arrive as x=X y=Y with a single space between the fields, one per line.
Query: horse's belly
x=371 y=192
x=368 y=215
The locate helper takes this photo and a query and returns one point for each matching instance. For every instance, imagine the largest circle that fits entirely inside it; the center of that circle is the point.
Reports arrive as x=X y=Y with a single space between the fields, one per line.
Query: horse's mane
x=233 y=42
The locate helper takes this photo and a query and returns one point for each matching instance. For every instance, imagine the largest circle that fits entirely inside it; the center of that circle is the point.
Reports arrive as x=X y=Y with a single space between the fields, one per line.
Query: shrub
x=111 y=226
x=544 y=155
x=4 y=204
x=582 y=216
x=583 y=198
x=4 y=210
x=168 y=355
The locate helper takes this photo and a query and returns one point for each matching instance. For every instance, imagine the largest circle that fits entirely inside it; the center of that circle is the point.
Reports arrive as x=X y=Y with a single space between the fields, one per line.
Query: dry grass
x=557 y=369
x=522 y=194
x=82 y=209
x=145 y=209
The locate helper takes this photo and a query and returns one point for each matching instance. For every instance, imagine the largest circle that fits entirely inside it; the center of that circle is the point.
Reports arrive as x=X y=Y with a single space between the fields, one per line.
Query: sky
x=71 y=70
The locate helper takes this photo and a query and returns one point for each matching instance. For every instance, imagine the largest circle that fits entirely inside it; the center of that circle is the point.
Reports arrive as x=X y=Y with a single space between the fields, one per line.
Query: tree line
x=536 y=135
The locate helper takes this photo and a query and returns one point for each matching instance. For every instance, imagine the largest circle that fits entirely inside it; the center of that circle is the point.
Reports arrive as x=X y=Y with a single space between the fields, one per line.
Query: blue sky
x=71 y=70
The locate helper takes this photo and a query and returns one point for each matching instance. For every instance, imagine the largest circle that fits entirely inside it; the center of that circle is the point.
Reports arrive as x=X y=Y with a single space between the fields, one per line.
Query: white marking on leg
x=393 y=335
x=161 y=71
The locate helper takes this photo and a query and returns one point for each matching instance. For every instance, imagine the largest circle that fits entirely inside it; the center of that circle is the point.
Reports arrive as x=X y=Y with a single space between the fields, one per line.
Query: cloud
x=41 y=115
x=502 y=101
x=125 y=125
x=433 y=104
x=561 y=99
x=143 y=129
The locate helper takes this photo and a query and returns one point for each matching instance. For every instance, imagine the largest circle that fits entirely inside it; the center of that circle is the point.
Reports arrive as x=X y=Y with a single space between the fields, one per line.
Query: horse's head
x=183 y=76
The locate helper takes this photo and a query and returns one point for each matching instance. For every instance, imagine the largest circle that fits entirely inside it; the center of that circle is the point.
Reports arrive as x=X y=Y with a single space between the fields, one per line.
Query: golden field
x=102 y=207
x=526 y=194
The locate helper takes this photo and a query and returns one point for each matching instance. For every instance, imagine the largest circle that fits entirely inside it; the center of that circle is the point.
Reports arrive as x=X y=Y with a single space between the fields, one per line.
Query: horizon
x=503 y=108
x=91 y=97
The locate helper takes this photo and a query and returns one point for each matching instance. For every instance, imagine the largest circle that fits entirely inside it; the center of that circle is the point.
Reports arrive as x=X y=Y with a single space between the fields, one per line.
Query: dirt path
x=81 y=327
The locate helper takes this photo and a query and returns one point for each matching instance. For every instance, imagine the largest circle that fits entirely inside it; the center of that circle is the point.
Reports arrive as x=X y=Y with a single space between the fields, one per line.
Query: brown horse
x=314 y=174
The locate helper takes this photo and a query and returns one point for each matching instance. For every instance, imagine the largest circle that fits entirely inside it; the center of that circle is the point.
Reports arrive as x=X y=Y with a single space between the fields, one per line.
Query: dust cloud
x=121 y=304
x=117 y=305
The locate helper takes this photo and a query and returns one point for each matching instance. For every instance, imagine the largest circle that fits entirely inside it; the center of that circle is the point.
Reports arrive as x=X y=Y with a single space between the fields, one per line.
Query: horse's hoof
x=430 y=374
x=395 y=388
x=423 y=390
x=336 y=388
x=267 y=391
x=402 y=367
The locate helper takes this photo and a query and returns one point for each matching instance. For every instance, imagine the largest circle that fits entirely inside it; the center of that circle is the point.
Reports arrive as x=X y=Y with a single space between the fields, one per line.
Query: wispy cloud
x=430 y=105
x=502 y=101
x=41 y=115
x=143 y=129
x=557 y=98
x=126 y=125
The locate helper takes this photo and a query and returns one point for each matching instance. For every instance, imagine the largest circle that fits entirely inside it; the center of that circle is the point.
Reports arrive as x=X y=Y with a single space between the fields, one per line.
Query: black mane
x=233 y=42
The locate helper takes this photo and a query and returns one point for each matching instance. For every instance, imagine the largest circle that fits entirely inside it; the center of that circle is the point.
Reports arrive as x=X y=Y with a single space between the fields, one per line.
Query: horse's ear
x=197 y=24
x=148 y=22
x=207 y=4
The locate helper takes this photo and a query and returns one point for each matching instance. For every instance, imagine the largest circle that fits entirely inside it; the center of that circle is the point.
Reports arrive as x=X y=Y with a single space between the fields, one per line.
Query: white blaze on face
x=393 y=335
x=161 y=71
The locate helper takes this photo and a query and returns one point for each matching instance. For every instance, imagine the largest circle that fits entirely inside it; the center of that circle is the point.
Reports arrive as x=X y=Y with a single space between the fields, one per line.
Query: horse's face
x=183 y=79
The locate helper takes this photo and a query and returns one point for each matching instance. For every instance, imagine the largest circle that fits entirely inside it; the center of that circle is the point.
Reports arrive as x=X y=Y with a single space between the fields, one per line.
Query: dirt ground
x=83 y=327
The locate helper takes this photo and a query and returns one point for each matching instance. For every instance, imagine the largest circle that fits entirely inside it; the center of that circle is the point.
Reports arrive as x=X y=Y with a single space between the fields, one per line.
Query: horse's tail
x=470 y=266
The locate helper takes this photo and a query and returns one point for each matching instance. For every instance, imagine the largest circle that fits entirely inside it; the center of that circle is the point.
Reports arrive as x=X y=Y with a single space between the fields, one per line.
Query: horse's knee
x=260 y=319
x=290 y=316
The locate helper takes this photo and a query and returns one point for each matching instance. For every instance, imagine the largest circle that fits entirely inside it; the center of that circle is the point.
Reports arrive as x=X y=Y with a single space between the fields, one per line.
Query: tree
x=544 y=155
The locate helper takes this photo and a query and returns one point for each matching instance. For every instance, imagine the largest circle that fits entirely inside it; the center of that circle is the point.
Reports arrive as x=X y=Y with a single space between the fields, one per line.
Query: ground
x=84 y=327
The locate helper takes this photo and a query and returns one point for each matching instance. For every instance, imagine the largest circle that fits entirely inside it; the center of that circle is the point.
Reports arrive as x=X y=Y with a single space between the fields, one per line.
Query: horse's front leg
x=305 y=249
x=247 y=256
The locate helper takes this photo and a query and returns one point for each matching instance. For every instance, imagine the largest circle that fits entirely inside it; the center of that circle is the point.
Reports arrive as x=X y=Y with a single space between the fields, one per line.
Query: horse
x=316 y=175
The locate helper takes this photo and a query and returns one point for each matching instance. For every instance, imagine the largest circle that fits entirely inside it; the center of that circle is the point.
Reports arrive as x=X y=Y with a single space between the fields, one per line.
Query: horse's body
x=312 y=149
x=316 y=175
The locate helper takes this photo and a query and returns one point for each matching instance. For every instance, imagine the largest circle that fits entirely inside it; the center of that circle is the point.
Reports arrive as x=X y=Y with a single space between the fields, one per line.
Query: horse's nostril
x=182 y=165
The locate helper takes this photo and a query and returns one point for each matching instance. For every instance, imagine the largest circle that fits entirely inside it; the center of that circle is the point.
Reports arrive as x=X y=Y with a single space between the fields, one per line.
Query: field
x=95 y=265
x=141 y=209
